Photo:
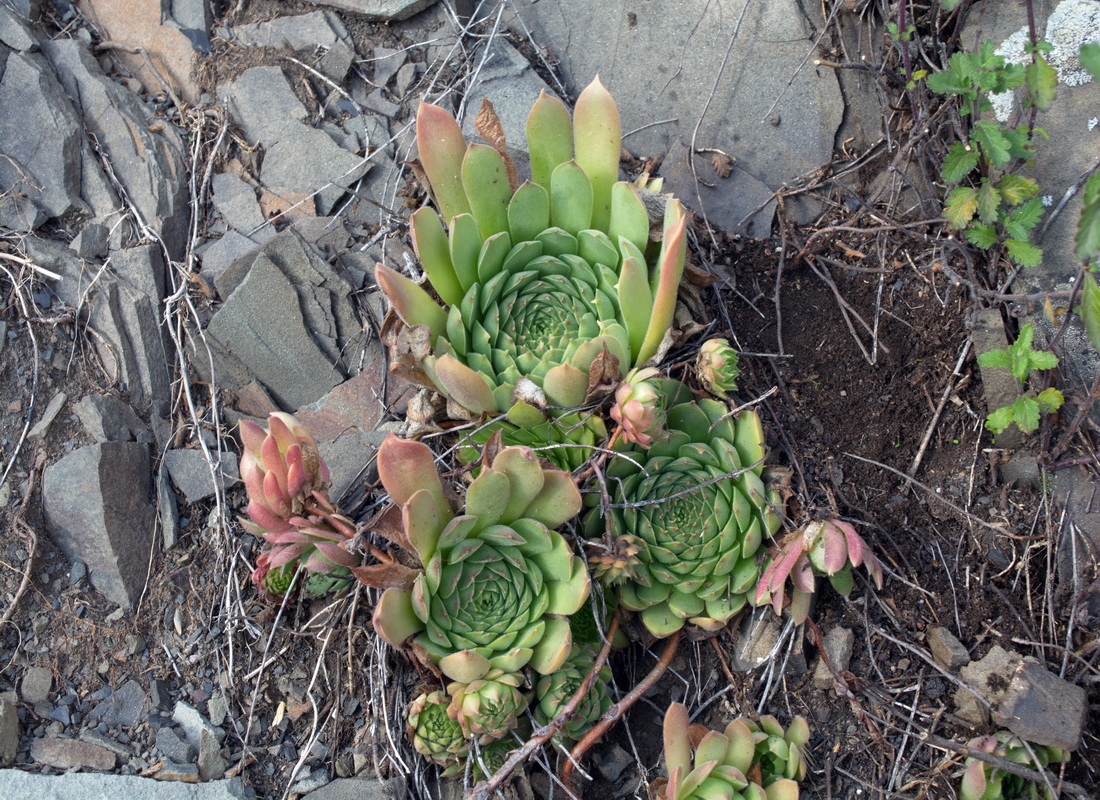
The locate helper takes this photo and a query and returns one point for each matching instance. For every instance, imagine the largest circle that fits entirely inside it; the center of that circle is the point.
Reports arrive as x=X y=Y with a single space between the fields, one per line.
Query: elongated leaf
x=465 y=247
x=549 y=138
x=1016 y=189
x=1024 y=253
x=666 y=280
x=636 y=301
x=994 y=144
x=597 y=142
x=1088 y=229
x=628 y=216
x=1090 y=310
x=1042 y=81
x=571 y=198
x=1050 y=399
x=983 y=236
x=1025 y=413
x=989 y=200
x=485 y=179
x=430 y=243
x=528 y=212
x=413 y=304
x=442 y=148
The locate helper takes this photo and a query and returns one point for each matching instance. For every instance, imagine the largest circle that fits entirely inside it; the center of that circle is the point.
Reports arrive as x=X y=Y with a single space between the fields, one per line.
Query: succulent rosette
x=498 y=582
x=640 y=407
x=711 y=765
x=983 y=781
x=697 y=505
x=289 y=507
x=779 y=753
x=488 y=707
x=716 y=367
x=555 y=281
x=434 y=733
x=553 y=693
x=566 y=441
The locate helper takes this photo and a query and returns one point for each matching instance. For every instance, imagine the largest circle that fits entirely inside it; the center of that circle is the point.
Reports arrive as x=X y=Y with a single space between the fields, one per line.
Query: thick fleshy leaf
x=666 y=283
x=629 y=218
x=973 y=781
x=565 y=386
x=549 y=137
x=252 y=437
x=597 y=142
x=558 y=502
x=488 y=497
x=749 y=439
x=521 y=467
x=423 y=521
x=465 y=386
x=660 y=620
x=712 y=747
x=696 y=777
x=430 y=242
x=798 y=732
x=465 y=245
x=570 y=198
x=552 y=650
x=567 y=597
x=636 y=302
x=782 y=789
x=528 y=212
x=741 y=746
x=485 y=179
x=394 y=619
x=677 y=745
x=493 y=253
x=464 y=666
x=413 y=304
x=442 y=148
x=405 y=468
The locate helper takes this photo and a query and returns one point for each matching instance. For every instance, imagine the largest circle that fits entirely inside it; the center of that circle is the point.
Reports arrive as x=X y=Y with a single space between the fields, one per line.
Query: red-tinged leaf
x=597 y=142
x=406 y=467
x=386 y=576
x=442 y=148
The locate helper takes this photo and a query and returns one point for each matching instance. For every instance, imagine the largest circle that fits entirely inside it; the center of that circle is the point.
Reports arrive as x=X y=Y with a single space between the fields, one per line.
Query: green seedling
x=1022 y=360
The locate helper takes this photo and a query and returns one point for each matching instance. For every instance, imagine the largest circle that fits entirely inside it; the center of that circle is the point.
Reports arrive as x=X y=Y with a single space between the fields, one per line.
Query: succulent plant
x=553 y=692
x=497 y=583
x=614 y=564
x=727 y=765
x=716 y=367
x=554 y=281
x=525 y=425
x=434 y=733
x=488 y=707
x=779 y=753
x=640 y=408
x=289 y=506
x=824 y=547
x=983 y=781
x=698 y=521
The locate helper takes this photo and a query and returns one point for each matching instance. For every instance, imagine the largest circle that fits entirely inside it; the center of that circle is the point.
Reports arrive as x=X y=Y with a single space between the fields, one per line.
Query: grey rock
x=336 y=63
x=98 y=511
x=380 y=10
x=236 y=201
x=194 y=15
x=57 y=257
x=1042 y=708
x=20 y=785
x=61 y=714
x=301 y=32
x=948 y=651
x=179 y=773
x=42 y=161
x=149 y=163
x=311 y=163
x=406 y=77
x=615 y=763
x=387 y=62
x=53 y=408
x=194 y=724
x=308 y=782
x=758 y=642
x=219 y=254
x=71 y=754
x=738 y=203
x=1020 y=470
x=174 y=748
x=142 y=268
x=377 y=102
x=9 y=733
x=211 y=762
x=191 y=473
x=108 y=419
x=15 y=31
x=263 y=104
x=988 y=677
x=837 y=645
x=167 y=508
x=106 y=742
x=124 y=708
x=95 y=189
x=36 y=685
x=360 y=789
x=677 y=49
x=91 y=242
x=217 y=709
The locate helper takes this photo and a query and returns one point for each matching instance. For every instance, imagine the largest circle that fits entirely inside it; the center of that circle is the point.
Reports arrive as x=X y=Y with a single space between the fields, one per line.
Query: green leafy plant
x=1021 y=359
x=1088 y=228
x=1003 y=206
x=983 y=781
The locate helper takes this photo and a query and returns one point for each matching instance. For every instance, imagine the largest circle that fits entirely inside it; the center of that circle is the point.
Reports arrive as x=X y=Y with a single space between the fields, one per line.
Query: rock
x=837 y=645
x=91 y=242
x=20 y=785
x=174 y=748
x=263 y=104
x=204 y=738
x=97 y=507
x=108 y=419
x=406 y=77
x=124 y=708
x=360 y=789
x=9 y=733
x=191 y=474
x=219 y=254
x=948 y=651
x=217 y=709
x=53 y=408
x=95 y=737
x=309 y=782
x=139 y=24
x=211 y=762
x=15 y=31
x=380 y=10
x=193 y=723
x=387 y=62
x=40 y=173
x=760 y=79
x=301 y=32
x=167 y=508
x=146 y=154
x=236 y=201
x=287 y=322
x=179 y=773
x=758 y=642
x=36 y=685
x=988 y=677
x=71 y=754
x=1042 y=708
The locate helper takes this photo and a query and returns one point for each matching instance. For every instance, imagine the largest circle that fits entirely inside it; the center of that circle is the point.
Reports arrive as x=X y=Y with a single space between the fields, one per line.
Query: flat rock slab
x=776 y=119
x=124 y=708
x=97 y=503
x=16 y=784
x=380 y=10
x=70 y=753
x=191 y=473
x=359 y=789
x=9 y=733
x=1042 y=708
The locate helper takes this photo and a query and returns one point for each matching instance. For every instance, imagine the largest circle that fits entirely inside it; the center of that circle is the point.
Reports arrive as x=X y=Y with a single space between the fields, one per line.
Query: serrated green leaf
x=1042 y=81
x=958 y=163
x=1042 y=359
x=996 y=358
x=999 y=419
x=1088 y=233
x=995 y=145
x=1092 y=189
x=1090 y=59
x=983 y=236
x=1023 y=253
x=1020 y=222
x=989 y=200
x=1019 y=141
x=961 y=205
x=1015 y=189
x=1090 y=310
x=1025 y=413
x=956 y=79
x=1050 y=399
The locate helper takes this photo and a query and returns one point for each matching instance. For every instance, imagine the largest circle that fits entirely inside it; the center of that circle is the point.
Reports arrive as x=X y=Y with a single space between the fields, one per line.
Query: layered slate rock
x=97 y=503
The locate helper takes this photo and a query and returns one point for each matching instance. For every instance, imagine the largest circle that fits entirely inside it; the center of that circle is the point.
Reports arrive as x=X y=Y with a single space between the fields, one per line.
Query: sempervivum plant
x=554 y=691
x=288 y=505
x=698 y=510
x=566 y=441
x=640 y=407
x=434 y=733
x=498 y=583
x=729 y=765
x=716 y=367
x=982 y=781
x=487 y=708
x=824 y=547
x=555 y=281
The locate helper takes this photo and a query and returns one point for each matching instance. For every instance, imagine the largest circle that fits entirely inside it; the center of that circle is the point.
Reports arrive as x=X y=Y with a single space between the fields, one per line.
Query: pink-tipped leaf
x=597 y=142
x=666 y=285
x=413 y=304
x=442 y=148
x=549 y=137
